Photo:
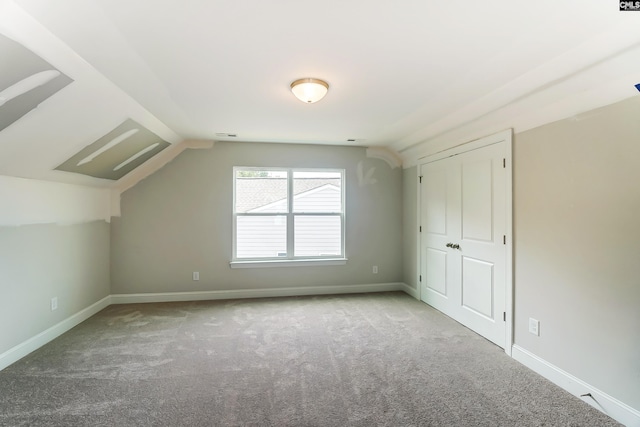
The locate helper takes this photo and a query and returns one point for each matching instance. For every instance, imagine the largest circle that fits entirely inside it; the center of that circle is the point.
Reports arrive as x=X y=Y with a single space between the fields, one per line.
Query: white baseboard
x=18 y=352
x=617 y=410
x=254 y=293
x=410 y=290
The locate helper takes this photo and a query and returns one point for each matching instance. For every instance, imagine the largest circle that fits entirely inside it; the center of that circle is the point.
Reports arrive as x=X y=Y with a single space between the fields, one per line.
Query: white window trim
x=310 y=262
x=291 y=261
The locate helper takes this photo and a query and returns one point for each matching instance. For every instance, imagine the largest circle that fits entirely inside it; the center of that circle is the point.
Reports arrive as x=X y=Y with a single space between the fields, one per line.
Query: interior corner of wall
x=115 y=203
x=383 y=153
x=408 y=162
x=199 y=144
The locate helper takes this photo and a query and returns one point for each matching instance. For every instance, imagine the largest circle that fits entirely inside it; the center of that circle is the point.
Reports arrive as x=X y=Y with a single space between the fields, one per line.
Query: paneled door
x=463 y=217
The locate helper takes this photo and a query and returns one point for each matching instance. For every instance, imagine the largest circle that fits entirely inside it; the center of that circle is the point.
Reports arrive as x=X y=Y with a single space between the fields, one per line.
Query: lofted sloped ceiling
x=403 y=75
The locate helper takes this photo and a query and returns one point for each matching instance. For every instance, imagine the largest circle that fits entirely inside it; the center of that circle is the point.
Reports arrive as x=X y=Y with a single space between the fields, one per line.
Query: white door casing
x=465 y=249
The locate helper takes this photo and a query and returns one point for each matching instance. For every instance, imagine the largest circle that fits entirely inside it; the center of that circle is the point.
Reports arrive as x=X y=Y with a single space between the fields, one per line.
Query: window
x=288 y=214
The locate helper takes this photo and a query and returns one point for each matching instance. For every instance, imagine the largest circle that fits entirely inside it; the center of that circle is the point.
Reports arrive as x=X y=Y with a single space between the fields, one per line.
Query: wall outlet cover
x=534 y=326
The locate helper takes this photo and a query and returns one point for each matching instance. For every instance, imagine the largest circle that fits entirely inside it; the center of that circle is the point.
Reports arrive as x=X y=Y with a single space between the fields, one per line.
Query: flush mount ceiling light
x=309 y=90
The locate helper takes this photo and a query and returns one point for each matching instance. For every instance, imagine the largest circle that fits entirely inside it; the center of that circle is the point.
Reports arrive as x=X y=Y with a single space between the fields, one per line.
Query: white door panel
x=477 y=286
x=477 y=190
x=439 y=181
x=436 y=210
x=436 y=275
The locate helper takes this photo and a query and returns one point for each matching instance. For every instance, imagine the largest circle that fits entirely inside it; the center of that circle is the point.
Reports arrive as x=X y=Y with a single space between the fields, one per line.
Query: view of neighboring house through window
x=288 y=213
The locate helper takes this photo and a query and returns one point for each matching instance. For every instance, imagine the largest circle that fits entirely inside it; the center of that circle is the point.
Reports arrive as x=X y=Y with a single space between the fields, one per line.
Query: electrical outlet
x=54 y=303
x=534 y=326
x=196 y=275
x=375 y=269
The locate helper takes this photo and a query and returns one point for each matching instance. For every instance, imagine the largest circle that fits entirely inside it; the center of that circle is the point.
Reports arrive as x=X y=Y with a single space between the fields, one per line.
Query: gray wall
x=577 y=246
x=38 y=262
x=410 y=226
x=179 y=220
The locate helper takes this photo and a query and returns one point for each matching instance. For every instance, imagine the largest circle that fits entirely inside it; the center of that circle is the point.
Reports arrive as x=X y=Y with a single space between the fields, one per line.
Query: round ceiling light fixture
x=309 y=90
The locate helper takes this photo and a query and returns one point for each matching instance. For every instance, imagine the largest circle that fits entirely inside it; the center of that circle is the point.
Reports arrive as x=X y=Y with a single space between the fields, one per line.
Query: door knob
x=449 y=245
x=456 y=246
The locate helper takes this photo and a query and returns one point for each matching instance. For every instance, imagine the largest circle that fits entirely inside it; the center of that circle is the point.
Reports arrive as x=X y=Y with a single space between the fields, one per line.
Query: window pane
x=318 y=236
x=317 y=192
x=261 y=191
x=261 y=236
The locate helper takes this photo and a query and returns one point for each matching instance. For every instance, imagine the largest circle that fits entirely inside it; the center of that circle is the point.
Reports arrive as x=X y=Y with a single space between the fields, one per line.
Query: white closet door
x=463 y=255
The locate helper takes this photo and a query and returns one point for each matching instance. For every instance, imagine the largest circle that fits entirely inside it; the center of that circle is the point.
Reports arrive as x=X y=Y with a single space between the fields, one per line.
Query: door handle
x=453 y=246
x=449 y=245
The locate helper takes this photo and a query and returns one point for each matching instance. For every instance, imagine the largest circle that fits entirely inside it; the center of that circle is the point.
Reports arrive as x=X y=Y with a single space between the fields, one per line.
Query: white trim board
x=606 y=404
x=254 y=293
x=411 y=291
x=21 y=350
x=505 y=135
x=429 y=153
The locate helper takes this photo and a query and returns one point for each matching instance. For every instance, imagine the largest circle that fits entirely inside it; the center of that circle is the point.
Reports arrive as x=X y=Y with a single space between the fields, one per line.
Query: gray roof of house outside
x=255 y=192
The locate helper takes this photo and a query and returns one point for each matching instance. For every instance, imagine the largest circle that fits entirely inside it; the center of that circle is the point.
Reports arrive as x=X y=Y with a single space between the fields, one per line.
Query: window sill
x=288 y=263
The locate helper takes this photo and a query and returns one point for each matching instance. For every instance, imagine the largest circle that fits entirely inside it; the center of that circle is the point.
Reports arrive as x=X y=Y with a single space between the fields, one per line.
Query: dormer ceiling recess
x=26 y=80
x=117 y=153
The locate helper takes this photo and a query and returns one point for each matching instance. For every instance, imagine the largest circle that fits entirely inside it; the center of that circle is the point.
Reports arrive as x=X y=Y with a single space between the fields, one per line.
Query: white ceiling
x=403 y=74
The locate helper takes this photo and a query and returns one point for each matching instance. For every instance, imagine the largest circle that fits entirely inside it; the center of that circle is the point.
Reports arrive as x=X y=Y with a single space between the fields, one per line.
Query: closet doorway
x=465 y=238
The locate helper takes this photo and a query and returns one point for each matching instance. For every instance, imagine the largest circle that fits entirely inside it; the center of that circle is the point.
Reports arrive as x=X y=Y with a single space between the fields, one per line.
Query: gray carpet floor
x=352 y=360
